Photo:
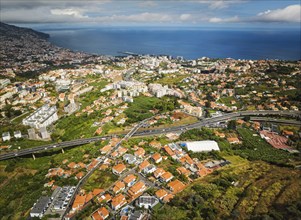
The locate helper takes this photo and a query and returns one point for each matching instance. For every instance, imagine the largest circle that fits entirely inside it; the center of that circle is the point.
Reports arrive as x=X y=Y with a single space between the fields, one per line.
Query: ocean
x=188 y=43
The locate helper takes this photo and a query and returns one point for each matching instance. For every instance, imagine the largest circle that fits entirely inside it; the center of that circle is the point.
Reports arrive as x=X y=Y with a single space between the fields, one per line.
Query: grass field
x=261 y=191
x=171 y=79
x=22 y=179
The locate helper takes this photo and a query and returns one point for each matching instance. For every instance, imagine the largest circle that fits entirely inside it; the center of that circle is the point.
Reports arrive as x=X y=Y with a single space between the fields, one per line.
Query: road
x=100 y=161
x=136 y=132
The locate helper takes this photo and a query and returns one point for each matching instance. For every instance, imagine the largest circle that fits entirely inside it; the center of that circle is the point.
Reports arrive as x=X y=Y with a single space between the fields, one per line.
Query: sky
x=198 y=13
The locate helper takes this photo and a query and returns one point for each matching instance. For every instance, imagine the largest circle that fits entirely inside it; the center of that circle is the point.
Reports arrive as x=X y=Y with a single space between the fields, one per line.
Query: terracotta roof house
x=169 y=151
x=106 y=197
x=79 y=175
x=118 y=169
x=100 y=214
x=158 y=172
x=233 y=140
x=106 y=149
x=119 y=186
x=129 y=180
x=184 y=171
x=176 y=186
x=161 y=193
x=118 y=201
x=79 y=202
x=168 y=197
x=166 y=177
x=157 y=158
x=72 y=165
x=143 y=165
x=137 y=188
x=97 y=191
x=140 y=152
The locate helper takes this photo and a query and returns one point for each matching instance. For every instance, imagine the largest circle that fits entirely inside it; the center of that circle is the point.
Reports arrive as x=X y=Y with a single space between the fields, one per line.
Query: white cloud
x=219 y=4
x=224 y=20
x=291 y=13
x=185 y=17
x=148 y=4
x=68 y=11
x=145 y=17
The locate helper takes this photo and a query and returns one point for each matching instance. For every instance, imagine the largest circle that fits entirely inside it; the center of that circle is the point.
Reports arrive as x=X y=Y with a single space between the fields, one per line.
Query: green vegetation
x=255 y=148
x=261 y=191
x=140 y=108
x=22 y=179
x=73 y=127
x=171 y=79
x=100 y=179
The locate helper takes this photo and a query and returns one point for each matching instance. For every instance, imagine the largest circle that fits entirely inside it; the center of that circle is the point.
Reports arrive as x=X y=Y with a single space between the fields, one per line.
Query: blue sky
x=201 y=13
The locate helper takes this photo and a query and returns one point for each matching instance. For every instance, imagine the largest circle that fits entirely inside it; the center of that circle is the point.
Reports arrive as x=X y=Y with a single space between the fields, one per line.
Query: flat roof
x=199 y=146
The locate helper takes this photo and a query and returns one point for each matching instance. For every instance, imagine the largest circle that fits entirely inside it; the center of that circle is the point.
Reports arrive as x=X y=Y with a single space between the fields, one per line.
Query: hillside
x=9 y=31
x=26 y=52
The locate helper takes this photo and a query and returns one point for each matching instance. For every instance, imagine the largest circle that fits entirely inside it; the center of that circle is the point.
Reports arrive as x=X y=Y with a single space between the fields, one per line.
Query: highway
x=136 y=132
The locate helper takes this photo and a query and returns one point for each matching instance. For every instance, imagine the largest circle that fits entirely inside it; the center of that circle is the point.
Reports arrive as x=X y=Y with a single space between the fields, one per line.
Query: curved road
x=204 y=122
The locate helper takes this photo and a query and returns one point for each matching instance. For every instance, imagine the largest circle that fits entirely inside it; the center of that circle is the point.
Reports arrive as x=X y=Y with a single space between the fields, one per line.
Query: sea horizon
x=190 y=43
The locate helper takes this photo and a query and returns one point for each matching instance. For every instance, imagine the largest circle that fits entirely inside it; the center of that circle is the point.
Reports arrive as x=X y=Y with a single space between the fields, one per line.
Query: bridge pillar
x=63 y=151
x=34 y=157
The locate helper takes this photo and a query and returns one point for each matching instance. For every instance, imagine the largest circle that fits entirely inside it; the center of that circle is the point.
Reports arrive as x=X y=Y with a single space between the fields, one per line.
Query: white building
x=6 y=136
x=146 y=201
x=17 y=134
x=201 y=146
x=42 y=117
x=40 y=207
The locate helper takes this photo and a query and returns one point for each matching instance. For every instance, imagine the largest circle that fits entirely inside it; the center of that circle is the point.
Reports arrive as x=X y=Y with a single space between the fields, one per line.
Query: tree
x=232 y=125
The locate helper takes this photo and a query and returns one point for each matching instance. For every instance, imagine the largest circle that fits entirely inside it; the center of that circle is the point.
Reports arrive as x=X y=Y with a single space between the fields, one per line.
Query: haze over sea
x=190 y=43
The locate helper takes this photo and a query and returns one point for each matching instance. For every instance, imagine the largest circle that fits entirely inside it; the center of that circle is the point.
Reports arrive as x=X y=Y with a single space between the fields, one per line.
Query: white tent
x=201 y=146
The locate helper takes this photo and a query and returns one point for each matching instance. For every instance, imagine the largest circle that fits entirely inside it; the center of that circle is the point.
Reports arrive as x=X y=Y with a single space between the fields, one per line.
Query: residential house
x=105 y=198
x=79 y=176
x=129 y=158
x=184 y=171
x=149 y=169
x=143 y=165
x=176 y=186
x=233 y=140
x=119 y=168
x=119 y=186
x=118 y=201
x=161 y=193
x=137 y=188
x=129 y=180
x=157 y=158
x=146 y=201
x=166 y=177
x=79 y=202
x=140 y=152
x=100 y=214
x=158 y=172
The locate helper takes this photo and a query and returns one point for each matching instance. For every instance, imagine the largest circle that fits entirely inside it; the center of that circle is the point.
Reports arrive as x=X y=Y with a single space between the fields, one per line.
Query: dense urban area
x=145 y=137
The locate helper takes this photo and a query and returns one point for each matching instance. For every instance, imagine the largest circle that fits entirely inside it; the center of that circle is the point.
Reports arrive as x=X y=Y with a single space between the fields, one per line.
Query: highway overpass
x=135 y=132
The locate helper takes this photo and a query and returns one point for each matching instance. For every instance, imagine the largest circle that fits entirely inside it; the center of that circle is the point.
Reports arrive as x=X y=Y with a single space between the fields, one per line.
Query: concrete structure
x=61 y=197
x=44 y=133
x=129 y=158
x=4 y=82
x=201 y=146
x=40 y=207
x=146 y=201
x=6 y=136
x=32 y=134
x=72 y=107
x=17 y=134
x=42 y=117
